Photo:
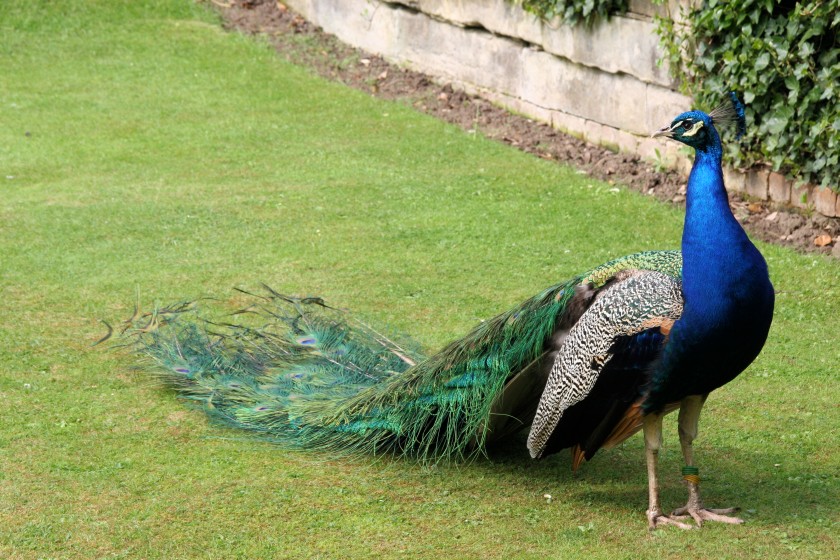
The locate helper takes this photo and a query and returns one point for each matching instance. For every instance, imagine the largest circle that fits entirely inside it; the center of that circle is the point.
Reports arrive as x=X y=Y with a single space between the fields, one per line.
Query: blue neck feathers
x=709 y=224
x=717 y=254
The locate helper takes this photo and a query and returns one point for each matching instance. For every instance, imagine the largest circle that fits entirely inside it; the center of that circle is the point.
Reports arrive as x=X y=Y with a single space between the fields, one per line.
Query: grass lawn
x=143 y=150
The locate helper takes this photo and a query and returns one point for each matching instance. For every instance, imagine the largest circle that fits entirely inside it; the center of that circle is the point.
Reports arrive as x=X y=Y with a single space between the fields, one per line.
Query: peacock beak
x=667 y=132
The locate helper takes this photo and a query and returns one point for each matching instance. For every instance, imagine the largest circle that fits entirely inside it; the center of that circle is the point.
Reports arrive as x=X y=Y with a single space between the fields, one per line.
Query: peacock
x=585 y=363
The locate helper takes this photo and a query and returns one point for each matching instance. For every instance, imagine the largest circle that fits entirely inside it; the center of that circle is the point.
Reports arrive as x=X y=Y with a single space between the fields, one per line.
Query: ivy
x=574 y=12
x=784 y=58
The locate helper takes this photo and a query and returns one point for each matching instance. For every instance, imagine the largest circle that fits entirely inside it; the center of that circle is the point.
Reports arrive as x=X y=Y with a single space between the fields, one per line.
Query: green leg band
x=691 y=474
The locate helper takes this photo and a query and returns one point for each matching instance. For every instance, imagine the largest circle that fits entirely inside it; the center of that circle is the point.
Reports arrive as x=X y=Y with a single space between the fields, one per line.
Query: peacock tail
x=301 y=373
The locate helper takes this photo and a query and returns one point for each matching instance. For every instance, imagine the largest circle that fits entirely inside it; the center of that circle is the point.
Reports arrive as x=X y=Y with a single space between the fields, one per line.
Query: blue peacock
x=585 y=363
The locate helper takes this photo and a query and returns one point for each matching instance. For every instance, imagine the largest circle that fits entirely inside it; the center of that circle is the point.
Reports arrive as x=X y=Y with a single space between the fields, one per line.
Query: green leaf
x=785 y=57
x=778 y=120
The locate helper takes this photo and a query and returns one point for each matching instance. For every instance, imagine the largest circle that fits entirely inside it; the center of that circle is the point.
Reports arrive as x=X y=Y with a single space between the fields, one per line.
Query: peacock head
x=697 y=129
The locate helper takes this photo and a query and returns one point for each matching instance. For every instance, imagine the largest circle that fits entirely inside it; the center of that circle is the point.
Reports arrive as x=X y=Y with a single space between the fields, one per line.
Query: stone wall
x=603 y=83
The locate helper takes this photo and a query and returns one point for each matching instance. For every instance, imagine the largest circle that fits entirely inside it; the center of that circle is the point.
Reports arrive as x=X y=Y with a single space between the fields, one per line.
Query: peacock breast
x=721 y=331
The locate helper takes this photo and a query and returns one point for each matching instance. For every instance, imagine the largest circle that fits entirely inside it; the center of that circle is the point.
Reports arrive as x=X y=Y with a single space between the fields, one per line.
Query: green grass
x=144 y=150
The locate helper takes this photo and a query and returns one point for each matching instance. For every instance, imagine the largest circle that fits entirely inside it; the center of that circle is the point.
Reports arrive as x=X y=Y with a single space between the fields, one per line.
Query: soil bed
x=305 y=44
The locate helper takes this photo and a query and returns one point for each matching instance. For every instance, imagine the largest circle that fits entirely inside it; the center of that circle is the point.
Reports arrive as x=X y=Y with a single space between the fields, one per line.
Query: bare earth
x=304 y=44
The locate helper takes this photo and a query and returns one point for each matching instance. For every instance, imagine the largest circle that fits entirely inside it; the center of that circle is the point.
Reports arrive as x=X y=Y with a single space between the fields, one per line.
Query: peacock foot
x=656 y=519
x=701 y=514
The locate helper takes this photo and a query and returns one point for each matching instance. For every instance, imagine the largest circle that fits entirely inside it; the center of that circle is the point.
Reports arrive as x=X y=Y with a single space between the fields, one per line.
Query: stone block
x=570 y=124
x=661 y=106
x=621 y=45
x=484 y=60
x=652 y=149
x=530 y=110
x=627 y=142
x=671 y=155
x=592 y=132
x=514 y=104
x=684 y=163
x=371 y=26
x=778 y=188
x=756 y=183
x=558 y=84
x=646 y=8
x=801 y=195
x=675 y=9
x=734 y=180
x=501 y=17
x=609 y=138
x=825 y=201
x=601 y=135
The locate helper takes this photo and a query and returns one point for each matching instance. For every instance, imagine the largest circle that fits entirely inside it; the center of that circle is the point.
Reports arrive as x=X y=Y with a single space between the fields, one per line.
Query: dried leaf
x=771 y=217
x=822 y=240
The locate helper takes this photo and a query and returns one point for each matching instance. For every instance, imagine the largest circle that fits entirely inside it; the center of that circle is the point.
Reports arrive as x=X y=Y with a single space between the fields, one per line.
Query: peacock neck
x=718 y=257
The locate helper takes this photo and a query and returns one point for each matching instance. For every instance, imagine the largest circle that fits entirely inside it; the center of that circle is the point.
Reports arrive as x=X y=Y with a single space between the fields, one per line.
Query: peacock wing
x=634 y=303
x=515 y=404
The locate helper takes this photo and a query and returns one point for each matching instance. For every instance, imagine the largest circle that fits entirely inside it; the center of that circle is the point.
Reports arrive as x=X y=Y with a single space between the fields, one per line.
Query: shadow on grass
x=617 y=478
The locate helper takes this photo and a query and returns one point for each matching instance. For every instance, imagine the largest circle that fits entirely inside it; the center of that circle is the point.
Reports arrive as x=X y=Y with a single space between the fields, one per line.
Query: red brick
x=734 y=179
x=756 y=183
x=825 y=201
x=779 y=188
x=802 y=195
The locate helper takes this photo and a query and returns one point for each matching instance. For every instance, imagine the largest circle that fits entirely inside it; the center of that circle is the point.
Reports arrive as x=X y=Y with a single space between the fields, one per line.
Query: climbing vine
x=784 y=59
x=573 y=12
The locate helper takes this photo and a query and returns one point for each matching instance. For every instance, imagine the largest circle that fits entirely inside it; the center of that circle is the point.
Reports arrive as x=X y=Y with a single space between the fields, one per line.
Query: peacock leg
x=688 y=424
x=653 y=441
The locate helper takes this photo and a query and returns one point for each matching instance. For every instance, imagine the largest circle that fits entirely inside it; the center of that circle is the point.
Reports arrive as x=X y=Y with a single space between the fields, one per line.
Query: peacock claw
x=701 y=514
x=656 y=518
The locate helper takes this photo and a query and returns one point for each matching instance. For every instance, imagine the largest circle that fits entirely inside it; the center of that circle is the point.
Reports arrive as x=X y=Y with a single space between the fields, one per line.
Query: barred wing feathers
x=636 y=303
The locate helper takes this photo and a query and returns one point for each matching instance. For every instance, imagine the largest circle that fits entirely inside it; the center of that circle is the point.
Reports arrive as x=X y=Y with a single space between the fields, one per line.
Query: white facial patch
x=695 y=128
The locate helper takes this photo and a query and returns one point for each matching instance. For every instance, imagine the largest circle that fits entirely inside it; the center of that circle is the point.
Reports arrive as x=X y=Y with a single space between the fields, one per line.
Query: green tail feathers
x=304 y=374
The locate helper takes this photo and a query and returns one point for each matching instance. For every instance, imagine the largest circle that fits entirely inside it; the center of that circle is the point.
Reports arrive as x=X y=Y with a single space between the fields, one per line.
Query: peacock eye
x=692 y=127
